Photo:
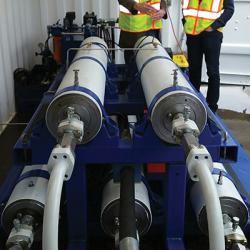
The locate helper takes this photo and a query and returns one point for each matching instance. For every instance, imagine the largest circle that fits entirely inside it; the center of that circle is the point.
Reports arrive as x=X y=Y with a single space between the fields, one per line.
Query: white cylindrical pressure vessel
x=231 y=202
x=166 y=89
x=111 y=205
x=28 y=197
x=83 y=88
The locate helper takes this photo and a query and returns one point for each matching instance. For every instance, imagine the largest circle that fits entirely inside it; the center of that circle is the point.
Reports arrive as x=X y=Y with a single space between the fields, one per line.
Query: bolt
x=155 y=45
x=70 y=112
x=187 y=112
x=27 y=220
x=225 y=136
x=170 y=116
x=17 y=224
x=175 y=79
x=19 y=216
x=219 y=182
x=236 y=222
x=117 y=222
x=76 y=81
x=31 y=184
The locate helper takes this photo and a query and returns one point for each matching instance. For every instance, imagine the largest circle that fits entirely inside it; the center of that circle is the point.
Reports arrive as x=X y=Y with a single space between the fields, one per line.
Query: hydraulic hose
x=52 y=207
x=213 y=208
x=128 y=231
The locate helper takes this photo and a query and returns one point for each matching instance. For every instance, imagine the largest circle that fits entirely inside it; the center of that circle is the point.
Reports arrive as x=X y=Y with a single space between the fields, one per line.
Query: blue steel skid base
x=36 y=143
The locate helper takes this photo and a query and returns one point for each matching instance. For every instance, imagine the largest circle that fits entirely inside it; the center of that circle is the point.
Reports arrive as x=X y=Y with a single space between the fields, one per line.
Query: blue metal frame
x=175 y=197
x=77 y=205
x=107 y=147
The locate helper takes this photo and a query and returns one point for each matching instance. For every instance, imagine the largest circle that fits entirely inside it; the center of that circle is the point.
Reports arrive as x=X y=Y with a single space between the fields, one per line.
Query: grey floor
x=239 y=125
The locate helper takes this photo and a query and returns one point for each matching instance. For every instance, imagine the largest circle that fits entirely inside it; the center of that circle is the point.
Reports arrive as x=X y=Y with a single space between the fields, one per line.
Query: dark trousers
x=208 y=44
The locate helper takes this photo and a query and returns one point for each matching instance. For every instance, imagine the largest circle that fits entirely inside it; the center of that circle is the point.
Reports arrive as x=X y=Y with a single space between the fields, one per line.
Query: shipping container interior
x=23 y=27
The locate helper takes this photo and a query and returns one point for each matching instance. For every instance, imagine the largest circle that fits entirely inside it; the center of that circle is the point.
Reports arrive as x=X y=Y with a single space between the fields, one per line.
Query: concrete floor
x=239 y=125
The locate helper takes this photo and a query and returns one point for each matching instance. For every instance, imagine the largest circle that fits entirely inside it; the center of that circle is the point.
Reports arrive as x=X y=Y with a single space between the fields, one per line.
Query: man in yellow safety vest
x=203 y=23
x=138 y=18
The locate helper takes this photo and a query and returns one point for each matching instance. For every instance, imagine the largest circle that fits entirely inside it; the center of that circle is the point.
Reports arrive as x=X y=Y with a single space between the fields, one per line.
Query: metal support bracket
x=198 y=156
x=62 y=155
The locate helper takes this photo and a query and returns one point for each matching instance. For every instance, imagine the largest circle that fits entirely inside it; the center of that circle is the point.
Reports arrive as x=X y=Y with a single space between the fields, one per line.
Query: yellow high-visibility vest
x=139 y=22
x=200 y=14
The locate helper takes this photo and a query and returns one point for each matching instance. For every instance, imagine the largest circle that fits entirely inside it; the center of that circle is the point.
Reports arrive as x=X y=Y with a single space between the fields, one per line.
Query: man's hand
x=158 y=15
x=145 y=8
x=209 y=29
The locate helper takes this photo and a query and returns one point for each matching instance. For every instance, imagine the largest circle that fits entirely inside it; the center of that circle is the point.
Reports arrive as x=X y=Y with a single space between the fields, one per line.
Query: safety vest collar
x=215 y=5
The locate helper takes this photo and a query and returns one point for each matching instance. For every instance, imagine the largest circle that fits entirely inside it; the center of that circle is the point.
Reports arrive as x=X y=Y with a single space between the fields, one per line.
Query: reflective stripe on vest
x=202 y=14
x=199 y=15
x=140 y=22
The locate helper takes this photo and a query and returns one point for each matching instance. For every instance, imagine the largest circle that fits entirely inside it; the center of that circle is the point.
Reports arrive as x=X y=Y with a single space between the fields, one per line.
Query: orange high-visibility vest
x=200 y=14
x=140 y=22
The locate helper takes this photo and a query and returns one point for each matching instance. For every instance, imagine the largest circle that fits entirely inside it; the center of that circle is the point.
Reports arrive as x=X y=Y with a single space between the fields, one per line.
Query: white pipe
x=213 y=208
x=52 y=207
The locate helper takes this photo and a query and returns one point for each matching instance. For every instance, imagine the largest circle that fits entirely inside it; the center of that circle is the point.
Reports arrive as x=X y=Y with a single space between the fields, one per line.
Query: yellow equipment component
x=180 y=60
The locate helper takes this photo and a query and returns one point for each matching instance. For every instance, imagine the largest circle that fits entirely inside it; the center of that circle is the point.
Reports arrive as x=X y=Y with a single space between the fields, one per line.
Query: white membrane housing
x=111 y=206
x=28 y=197
x=231 y=202
x=157 y=75
x=92 y=65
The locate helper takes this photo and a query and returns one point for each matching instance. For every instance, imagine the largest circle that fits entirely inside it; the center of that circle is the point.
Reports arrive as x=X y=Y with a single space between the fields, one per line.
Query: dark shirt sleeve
x=164 y=7
x=129 y=4
x=228 y=7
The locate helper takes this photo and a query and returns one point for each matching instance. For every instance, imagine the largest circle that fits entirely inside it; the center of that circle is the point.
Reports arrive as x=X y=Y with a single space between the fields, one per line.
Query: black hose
x=127 y=204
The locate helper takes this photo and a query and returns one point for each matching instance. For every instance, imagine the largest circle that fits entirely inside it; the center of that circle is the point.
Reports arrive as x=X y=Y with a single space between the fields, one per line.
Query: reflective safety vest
x=200 y=14
x=139 y=22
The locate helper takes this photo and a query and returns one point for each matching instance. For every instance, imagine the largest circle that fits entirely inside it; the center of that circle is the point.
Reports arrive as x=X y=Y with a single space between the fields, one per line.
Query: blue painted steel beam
x=175 y=244
x=175 y=197
x=76 y=191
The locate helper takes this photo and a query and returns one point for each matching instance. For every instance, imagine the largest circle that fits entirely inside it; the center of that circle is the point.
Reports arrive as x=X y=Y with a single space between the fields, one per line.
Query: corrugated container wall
x=23 y=24
x=51 y=11
x=20 y=31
